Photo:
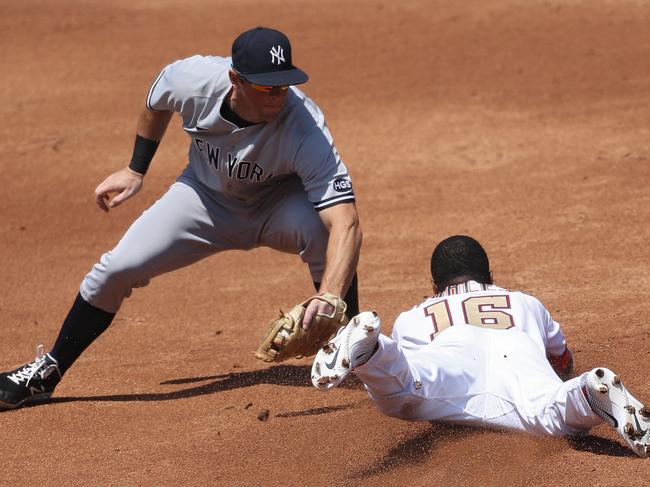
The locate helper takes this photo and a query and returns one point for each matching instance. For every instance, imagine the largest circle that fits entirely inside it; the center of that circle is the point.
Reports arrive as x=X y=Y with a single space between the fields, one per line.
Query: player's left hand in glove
x=287 y=338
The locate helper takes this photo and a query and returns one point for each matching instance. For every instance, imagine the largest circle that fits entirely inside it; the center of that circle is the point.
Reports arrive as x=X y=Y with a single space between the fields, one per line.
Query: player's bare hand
x=563 y=364
x=316 y=306
x=125 y=183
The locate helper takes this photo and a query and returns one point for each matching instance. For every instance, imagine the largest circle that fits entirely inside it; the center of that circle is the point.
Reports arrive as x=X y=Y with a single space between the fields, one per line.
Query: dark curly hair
x=459 y=257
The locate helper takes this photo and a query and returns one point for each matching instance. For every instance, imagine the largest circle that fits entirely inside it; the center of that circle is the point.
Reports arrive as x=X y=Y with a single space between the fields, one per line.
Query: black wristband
x=143 y=152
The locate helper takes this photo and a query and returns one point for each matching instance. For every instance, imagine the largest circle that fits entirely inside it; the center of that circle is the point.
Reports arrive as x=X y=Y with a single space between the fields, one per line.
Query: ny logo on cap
x=277 y=53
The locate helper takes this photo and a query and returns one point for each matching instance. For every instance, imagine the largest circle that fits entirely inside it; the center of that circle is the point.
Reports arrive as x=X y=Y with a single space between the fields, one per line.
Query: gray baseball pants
x=186 y=225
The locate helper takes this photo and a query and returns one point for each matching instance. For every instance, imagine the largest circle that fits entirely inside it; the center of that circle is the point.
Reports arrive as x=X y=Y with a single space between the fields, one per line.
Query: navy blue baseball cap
x=263 y=56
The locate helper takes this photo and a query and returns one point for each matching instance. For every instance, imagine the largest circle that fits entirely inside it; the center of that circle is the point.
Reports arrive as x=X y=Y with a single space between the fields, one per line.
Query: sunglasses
x=263 y=88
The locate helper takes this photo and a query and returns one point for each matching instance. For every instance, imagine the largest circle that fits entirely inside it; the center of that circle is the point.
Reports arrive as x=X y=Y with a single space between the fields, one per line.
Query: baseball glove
x=286 y=338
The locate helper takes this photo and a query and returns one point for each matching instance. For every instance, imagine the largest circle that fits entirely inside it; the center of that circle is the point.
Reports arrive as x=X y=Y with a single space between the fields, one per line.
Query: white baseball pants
x=484 y=377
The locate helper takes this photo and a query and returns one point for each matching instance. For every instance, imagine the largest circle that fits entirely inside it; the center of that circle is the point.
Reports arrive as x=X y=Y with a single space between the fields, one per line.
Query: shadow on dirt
x=323 y=410
x=417 y=449
x=599 y=446
x=283 y=375
x=411 y=451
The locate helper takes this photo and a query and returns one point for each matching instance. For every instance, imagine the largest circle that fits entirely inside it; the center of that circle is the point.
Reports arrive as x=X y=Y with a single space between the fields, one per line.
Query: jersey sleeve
x=322 y=172
x=554 y=338
x=410 y=331
x=183 y=87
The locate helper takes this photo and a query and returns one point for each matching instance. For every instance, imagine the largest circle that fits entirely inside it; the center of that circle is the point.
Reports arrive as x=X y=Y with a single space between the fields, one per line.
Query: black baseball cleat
x=31 y=383
x=610 y=400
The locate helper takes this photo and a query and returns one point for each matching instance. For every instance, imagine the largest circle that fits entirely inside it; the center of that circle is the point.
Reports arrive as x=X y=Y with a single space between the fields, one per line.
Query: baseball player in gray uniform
x=478 y=354
x=263 y=171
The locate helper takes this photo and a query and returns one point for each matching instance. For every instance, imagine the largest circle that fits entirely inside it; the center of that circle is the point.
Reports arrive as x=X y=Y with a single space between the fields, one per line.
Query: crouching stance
x=263 y=171
x=478 y=354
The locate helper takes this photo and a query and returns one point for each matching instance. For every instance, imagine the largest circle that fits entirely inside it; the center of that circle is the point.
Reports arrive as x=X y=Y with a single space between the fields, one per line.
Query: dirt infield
x=524 y=123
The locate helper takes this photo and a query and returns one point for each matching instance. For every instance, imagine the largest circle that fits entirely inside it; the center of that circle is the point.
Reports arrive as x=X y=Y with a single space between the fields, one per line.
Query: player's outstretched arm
x=128 y=181
x=343 y=248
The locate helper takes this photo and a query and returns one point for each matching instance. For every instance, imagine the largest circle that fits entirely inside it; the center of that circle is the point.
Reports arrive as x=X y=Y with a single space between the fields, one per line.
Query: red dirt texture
x=523 y=123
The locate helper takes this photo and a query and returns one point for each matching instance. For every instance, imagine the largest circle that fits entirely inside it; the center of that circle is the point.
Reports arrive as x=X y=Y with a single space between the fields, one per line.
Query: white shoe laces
x=28 y=372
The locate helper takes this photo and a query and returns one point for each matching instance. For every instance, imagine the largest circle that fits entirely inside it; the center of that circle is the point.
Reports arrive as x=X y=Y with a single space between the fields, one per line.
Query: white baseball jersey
x=476 y=354
x=243 y=165
x=482 y=305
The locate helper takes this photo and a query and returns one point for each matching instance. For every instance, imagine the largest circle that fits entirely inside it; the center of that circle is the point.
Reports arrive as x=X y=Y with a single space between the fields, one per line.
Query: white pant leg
x=389 y=380
x=563 y=411
x=430 y=384
x=521 y=375
x=493 y=378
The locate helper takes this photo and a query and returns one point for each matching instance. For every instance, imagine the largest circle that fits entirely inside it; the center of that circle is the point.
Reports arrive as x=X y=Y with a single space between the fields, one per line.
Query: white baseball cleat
x=612 y=402
x=352 y=346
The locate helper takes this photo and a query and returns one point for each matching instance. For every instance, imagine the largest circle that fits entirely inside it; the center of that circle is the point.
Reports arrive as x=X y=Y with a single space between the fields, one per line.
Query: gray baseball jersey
x=260 y=185
x=243 y=165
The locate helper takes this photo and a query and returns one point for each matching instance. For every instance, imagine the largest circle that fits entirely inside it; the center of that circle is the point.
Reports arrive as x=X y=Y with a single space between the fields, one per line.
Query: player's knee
x=113 y=278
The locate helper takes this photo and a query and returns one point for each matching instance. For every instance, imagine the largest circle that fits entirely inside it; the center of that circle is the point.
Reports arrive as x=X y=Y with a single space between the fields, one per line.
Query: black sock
x=83 y=324
x=351 y=297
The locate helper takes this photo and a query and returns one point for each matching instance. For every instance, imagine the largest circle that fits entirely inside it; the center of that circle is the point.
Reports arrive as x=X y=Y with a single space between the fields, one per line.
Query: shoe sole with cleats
x=352 y=346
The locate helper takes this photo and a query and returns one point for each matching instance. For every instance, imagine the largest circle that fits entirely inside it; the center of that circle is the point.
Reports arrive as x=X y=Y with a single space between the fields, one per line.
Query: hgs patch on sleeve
x=342 y=185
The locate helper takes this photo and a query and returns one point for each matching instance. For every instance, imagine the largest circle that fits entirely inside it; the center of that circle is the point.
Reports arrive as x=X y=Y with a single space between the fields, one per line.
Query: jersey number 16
x=481 y=311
